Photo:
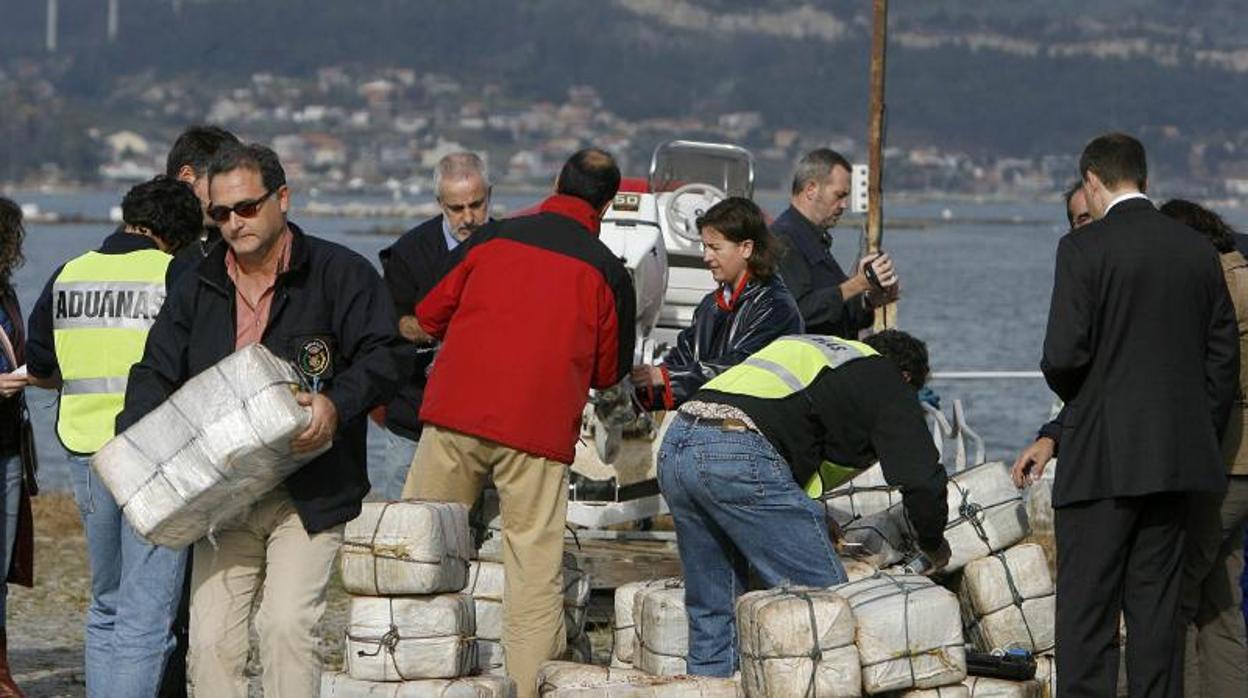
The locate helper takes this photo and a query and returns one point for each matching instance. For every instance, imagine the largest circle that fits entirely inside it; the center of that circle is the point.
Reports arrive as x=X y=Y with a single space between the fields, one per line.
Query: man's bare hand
x=324 y=423
x=882 y=266
x=411 y=330
x=646 y=375
x=1032 y=461
x=13 y=383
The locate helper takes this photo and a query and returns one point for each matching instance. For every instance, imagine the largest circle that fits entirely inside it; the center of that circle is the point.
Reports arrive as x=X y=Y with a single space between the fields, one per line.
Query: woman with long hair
x=750 y=307
x=16 y=481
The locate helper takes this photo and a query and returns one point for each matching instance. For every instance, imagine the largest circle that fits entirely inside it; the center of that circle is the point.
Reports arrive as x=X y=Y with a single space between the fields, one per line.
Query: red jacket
x=536 y=313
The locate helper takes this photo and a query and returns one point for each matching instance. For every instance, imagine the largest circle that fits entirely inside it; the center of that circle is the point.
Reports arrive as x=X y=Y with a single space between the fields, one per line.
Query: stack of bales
x=882 y=633
x=486 y=584
x=411 y=632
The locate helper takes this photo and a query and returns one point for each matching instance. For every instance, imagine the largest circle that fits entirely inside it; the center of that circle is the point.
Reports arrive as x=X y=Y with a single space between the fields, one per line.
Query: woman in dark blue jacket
x=749 y=309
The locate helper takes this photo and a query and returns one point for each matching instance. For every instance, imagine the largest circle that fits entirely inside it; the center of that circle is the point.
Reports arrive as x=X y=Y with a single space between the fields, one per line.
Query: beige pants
x=1217 y=656
x=268 y=548
x=533 y=498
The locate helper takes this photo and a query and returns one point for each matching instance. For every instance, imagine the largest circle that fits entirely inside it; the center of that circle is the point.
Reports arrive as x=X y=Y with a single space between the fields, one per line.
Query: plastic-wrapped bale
x=1046 y=675
x=406 y=548
x=623 y=651
x=1008 y=600
x=797 y=642
x=403 y=638
x=662 y=627
x=983 y=687
x=954 y=691
x=561 y=678
x=340 y=685
x=570 y=680
x=576 y=591
x=986 y=514
x=487 y=580
x=868 y=493
x=217 y=445
x=877 y=539
x=909 y=632
x=491 y=659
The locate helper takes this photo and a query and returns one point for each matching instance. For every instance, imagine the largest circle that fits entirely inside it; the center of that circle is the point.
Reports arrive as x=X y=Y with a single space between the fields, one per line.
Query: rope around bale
x=389 y=643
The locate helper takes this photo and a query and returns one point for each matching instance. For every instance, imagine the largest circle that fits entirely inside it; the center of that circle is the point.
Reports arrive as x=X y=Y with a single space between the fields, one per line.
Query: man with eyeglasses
x=411 y=267
x=325 y=309
x=86 y=330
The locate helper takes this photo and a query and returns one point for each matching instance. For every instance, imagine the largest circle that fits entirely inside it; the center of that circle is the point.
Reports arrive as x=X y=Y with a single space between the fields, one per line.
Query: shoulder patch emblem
x=314 y=358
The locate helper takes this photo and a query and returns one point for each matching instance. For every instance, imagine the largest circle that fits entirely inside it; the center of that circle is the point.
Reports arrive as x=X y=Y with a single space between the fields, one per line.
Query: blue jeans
x=10 y=499
x=399 y=453
x=736 y=505
x=135 y=588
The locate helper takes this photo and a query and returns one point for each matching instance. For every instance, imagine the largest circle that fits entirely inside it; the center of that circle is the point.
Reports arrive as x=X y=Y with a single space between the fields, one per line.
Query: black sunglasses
x=245 y=209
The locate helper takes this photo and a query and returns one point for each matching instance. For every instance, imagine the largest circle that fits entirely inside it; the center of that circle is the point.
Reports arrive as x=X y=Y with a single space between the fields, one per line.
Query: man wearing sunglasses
x=86 y=330
x=326 y=310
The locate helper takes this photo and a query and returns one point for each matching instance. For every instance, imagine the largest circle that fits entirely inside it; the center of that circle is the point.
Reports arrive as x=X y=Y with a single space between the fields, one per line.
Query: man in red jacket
x=535 y=313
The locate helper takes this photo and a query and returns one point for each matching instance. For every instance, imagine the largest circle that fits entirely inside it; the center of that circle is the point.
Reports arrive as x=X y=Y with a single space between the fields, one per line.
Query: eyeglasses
x=245 y=209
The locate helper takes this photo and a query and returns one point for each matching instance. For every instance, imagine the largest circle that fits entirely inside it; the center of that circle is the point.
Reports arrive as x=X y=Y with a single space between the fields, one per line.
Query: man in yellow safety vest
x=87 y=328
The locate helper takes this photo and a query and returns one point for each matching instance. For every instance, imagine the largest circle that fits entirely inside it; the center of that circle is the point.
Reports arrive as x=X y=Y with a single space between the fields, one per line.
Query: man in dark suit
x=831 y=302
x=1142 y=346
x=412 y=266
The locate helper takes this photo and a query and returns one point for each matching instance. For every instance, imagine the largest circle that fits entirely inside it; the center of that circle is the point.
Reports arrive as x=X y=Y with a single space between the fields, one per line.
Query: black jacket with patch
x=329 y=296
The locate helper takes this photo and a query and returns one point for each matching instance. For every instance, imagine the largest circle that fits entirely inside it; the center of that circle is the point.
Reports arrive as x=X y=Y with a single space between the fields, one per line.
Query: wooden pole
x=886 y=316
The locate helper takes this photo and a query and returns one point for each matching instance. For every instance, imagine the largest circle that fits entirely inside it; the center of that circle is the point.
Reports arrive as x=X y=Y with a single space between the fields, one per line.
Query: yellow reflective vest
x=103 y=306
x=788 y=366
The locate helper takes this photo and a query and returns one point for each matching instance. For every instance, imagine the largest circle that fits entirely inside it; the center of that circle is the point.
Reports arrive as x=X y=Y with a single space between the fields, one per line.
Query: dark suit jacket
x=411 y=267
x=814 y=278
x=1143 y=346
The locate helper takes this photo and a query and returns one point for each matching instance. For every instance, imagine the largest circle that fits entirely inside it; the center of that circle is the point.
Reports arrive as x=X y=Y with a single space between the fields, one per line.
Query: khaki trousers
x=1217 y=656
x=533 y=498
x=268 y=548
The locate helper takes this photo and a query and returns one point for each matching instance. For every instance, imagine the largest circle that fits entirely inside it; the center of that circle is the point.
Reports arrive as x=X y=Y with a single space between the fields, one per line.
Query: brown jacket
x=1235 y=441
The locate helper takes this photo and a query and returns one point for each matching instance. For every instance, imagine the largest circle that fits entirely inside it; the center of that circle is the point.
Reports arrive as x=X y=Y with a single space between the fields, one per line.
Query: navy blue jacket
x=327 y=294
x=722 y=337
x=814 y=278
x=411 y=267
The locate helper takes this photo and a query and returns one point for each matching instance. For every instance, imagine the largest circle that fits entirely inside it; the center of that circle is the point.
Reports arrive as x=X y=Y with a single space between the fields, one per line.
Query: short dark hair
x=1203 y=221
x=816 y=166
x=738 y=219
x=908 y=352
x=1067 y=196
x=195 y=148
x=12 y=232
x=166 y=207
x=1116 y=158
x=591 y=175
x=254 y=157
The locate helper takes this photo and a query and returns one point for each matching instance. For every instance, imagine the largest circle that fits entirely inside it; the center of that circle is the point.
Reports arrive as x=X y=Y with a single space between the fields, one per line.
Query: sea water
x=976 y=280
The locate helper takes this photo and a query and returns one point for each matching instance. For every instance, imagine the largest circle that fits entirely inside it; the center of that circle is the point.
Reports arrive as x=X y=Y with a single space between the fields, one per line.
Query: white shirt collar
x=1125 y=197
